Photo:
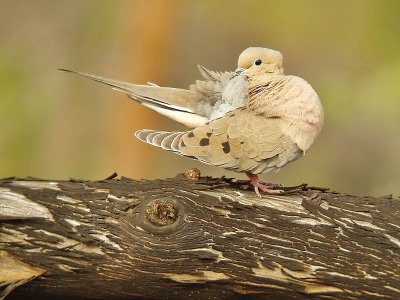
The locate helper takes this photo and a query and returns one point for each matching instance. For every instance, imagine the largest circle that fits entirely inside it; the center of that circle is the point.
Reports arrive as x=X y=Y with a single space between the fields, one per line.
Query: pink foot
x=265 y=187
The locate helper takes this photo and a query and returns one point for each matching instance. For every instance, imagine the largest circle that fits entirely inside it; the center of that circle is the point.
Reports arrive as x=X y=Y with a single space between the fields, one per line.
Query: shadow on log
x=204 y=239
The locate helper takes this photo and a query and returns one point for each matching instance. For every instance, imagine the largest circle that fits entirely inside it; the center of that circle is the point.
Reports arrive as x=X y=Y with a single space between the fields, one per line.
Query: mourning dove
x=252 y=120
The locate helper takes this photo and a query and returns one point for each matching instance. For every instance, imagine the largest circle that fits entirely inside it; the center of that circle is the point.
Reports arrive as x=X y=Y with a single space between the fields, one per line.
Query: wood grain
x=176 y=238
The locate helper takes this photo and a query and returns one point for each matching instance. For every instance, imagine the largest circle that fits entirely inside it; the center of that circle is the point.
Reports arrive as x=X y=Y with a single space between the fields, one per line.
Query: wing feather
x=255 y=151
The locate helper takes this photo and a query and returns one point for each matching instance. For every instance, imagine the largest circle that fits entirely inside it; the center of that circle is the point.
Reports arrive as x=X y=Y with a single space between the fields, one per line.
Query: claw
x=268 y=188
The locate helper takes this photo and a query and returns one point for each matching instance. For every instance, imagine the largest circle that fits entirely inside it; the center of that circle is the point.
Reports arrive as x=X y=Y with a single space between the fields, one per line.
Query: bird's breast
x=303 y=110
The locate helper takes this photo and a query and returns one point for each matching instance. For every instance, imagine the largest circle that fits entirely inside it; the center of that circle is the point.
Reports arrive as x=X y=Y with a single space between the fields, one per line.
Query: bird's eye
x=258 y=62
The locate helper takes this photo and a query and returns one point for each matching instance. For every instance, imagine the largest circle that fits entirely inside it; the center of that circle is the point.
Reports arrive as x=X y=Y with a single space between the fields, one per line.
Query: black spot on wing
x=190 y=134
x=182 y=143
x=209 y=134
x=226 y=147
x=204 y=142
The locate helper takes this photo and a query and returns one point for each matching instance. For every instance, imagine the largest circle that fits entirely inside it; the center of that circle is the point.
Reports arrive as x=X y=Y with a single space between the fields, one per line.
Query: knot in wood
x=193 y=174
x=161 y=212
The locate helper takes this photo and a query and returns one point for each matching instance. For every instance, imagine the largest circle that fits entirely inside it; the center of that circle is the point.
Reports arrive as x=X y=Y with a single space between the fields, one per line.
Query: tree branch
x=202 y=239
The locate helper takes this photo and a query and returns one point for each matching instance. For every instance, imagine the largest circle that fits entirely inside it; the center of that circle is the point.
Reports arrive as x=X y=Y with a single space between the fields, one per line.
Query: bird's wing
x=210 y=90
x=221 y=92
x=239 y=141
x=191 y=107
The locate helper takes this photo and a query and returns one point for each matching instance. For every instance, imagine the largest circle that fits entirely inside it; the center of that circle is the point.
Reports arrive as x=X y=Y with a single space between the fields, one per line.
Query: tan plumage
x=240 y=141
x=253 y=120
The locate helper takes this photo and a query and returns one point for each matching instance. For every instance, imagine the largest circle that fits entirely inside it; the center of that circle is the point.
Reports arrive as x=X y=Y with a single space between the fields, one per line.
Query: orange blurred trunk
x=150 y=28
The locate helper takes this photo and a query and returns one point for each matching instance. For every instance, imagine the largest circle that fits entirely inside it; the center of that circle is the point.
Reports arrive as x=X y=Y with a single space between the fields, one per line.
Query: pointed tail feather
x=173 y=99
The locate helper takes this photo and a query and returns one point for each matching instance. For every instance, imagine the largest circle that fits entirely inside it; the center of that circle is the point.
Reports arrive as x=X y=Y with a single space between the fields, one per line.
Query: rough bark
x=203 y=239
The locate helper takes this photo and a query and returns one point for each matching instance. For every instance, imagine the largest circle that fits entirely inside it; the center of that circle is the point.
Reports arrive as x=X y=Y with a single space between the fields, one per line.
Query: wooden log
x=204 y=239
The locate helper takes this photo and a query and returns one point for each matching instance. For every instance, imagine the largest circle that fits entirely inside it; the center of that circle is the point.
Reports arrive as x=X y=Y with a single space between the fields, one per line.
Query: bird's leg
x=269 y=188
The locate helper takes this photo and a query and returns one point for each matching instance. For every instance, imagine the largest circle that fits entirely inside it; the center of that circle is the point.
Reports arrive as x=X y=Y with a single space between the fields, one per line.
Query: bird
x=252 y=120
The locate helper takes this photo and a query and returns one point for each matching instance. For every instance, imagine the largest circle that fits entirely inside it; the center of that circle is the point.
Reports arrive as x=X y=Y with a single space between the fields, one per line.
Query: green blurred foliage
x=57 y=126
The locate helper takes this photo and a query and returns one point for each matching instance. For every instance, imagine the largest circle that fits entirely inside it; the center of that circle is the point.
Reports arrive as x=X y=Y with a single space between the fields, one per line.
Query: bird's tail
x=177 y=104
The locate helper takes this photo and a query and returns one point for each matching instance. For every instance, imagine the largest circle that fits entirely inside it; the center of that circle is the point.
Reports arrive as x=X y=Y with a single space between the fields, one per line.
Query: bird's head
x=258 y=61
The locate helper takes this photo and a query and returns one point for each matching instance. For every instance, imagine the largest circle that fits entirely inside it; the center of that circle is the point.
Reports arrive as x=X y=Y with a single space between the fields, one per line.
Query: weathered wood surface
x=178 y=239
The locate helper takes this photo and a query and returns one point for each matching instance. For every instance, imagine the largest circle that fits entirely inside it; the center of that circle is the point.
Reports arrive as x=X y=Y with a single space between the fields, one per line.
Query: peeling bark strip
x=171 y=239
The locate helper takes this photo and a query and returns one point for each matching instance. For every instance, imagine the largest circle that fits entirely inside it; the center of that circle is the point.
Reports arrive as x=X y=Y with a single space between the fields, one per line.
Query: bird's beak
x=237 y=72
x=244 y=72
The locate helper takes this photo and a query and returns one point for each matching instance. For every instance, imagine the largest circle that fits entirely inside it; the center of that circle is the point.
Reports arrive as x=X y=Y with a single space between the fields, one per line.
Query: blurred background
x=54 y=125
